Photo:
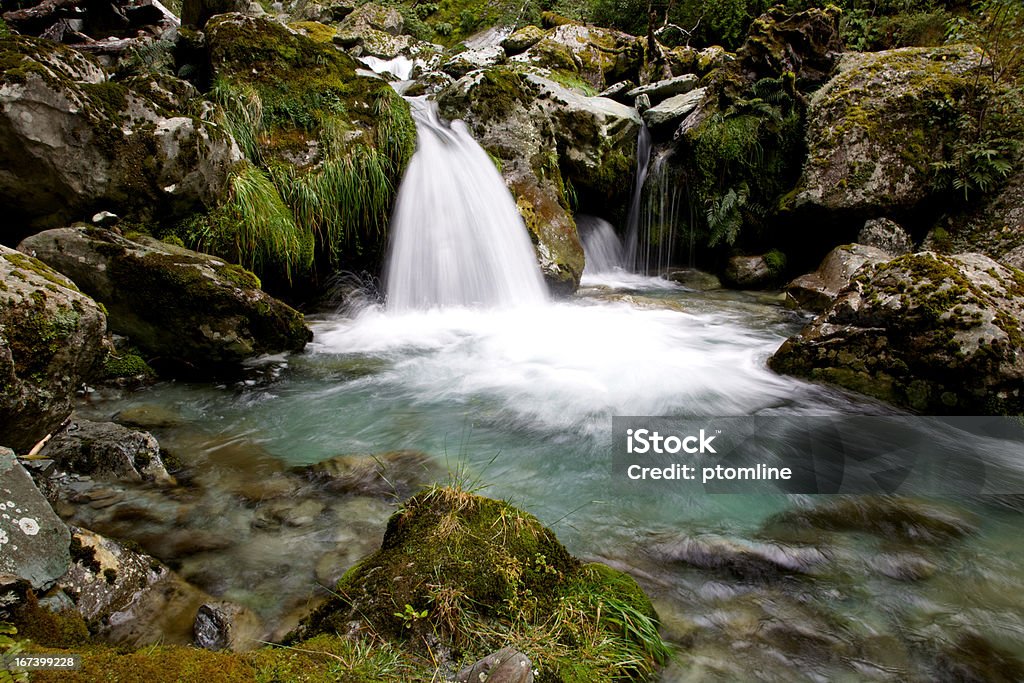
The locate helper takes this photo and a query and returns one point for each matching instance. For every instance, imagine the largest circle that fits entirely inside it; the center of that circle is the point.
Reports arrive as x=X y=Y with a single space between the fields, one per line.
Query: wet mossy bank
x=457 y=577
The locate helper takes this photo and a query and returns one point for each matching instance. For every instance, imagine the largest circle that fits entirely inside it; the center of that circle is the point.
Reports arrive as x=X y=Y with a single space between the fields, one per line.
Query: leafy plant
x=410 y=615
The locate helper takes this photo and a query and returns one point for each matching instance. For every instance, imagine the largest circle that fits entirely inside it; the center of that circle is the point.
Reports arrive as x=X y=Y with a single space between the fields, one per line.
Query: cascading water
x=457 y=238
x=643 y=158
x=602 y=249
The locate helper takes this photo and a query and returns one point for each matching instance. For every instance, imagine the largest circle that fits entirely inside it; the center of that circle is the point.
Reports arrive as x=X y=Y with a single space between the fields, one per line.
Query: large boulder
x=543 y=134
x=51 y=340
x=993 y=225
x=873 y=134
x=73 y=142
x=938 y=334
x=599 y=56
x=33 y=540
x=816 y=291
x=189 y=310
x=451 y=562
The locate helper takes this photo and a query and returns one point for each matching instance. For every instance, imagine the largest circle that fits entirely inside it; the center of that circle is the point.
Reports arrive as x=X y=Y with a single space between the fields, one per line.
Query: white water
x=457 y=238
x=602 y=248
x=643 y=158
x=400 y=67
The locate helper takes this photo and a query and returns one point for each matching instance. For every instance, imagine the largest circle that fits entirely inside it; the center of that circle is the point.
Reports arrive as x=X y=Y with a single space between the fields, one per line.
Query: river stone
x=660 y=90
x=507 y=665
x=33 y=540
x=149 y=416
x=194 y=311
x=816 y=291
x=696 y=280
x=225 y=625
x=876 y=113
x=749 y=272
x=105 y=449
x=887 y=235
x=51 y=341
x=674 y=109
x=935 y=333
x=392 y=474
x=523 y=39
x=887 y=517
x=126 y=596
x=78 y=142
x=743 y=559
x=288 y=513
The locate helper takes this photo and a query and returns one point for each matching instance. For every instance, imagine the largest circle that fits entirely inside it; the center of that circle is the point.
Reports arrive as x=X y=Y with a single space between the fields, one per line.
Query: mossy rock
x=936 y=334
x=190 y=311
x=51 y=341
x=479 y=574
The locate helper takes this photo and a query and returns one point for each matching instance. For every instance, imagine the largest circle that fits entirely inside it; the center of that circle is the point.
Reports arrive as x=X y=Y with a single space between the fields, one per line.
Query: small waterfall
x=602 y=248
x=643 y=158
x=457 y=238
x=659 y=220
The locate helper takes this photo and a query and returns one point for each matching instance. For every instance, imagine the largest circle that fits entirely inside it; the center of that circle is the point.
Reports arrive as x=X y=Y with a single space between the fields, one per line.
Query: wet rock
x=126 y=596
x=288 y=513
x=696 y=280
x=149 y=416
x=902 y=566
x=78 y=141
x=886 y=235
x=218 y=314
x=51 y=341
x=743 y=559
x=975 y=659
x=872 y=116
x=507 y=665
x=430 y=83
x=934 y=333
x=105 y=449
x=671 y=111
x=395 y=473
x=816 y=291
x=884 y=516
x=806 y=44
x=33 y=540
x=660 y=90
x=226 y=626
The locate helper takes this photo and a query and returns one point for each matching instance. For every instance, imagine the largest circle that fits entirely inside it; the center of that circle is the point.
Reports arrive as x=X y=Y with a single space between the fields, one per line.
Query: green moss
x=499 y=91
x=110 y=97
x=487 y=574
x=65 y=629
x=320 y=33
x=19 y=260
x=126 y=364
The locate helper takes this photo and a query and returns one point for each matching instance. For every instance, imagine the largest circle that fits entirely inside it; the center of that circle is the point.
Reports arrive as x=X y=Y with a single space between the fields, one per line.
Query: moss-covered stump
x=878 y=126
x=327 y=148
x=190 y=311
x=475 y=574
x=81 y=143
x=937 y=334
x=51 y=340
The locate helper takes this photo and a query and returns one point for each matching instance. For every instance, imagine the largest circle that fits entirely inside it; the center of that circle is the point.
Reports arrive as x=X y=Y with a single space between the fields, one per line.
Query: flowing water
x=470 y=363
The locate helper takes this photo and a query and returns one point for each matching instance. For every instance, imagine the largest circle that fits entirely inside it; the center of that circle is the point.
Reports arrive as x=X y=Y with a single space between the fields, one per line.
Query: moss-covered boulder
x=73 y=142
x=51 y=341
x=937 y=334
x=190 y=311
x=806 y=44
x=816 y=291
x=599 y=56
x=875 y=129
x=548 y=138
x=479 y=574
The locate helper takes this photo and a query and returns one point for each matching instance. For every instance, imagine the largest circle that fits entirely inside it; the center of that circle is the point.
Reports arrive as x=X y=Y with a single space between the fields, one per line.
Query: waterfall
x=602 y=248
x=643 y=158
x=457 y=238
x=659 y=221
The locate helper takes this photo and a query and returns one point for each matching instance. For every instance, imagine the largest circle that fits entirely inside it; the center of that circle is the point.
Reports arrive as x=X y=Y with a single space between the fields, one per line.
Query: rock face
x=192 y=310
x=540 y=130
x=73 y=142
x=938 y=334
x=33 y=540
x=816 y=291
x=754 y=272
x=872 y=116
x=886 y=235
x=105 y=449
x=51 y=340
x=226 y=626
x=673 y=110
